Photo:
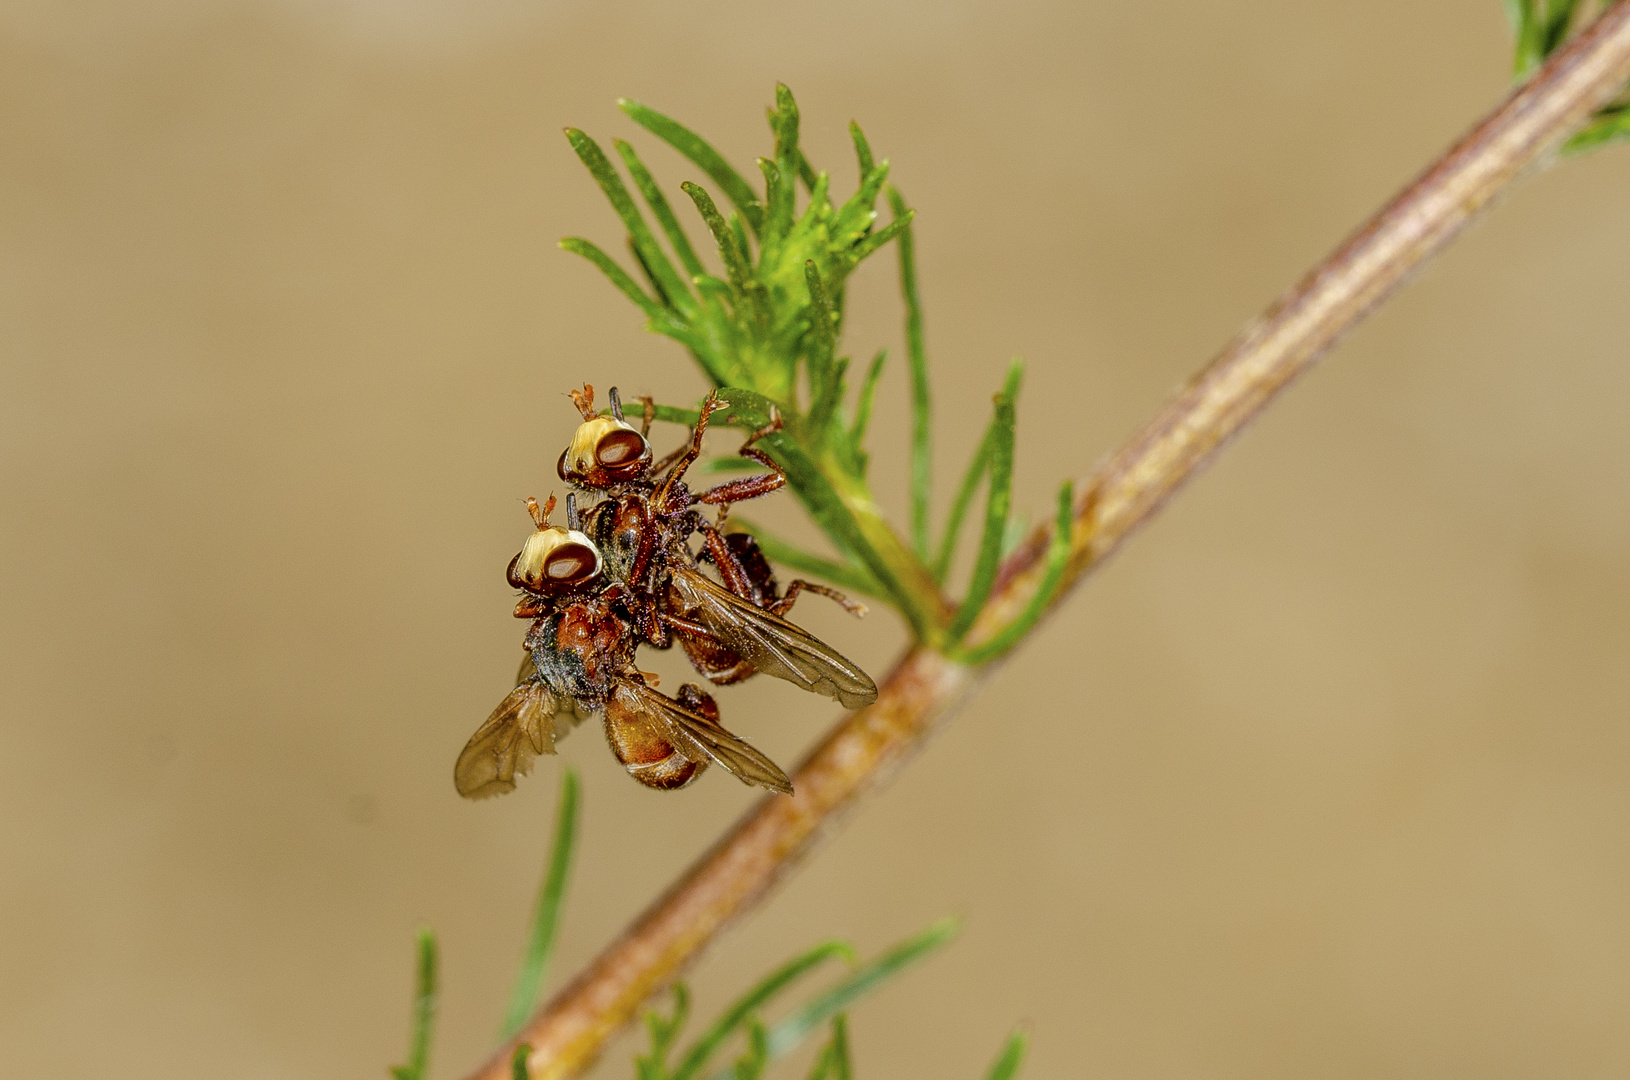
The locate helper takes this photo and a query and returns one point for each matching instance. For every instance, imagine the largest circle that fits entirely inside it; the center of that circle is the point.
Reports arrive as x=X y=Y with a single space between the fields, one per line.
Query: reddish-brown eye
x=560 y=466
x=570 y=563
x=619 y=448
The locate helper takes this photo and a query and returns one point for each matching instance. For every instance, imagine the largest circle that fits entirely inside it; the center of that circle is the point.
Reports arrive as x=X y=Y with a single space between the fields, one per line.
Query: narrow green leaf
x=740 y=234
x=843 y=1065
x=790 y=555
x=579 y=246
x=735 y=264
x=662 y=271
x=785 y=123
x=518 y=1069
x=634 y=410
x=750 y=1066
x=696 y=1058
x=922 y=447
x=659 y=206
x=424 y=1011
x=882 y=236
x=789 y=159
x=833 y=1062
x=1609 y=126
x=857 y=214
x=823 y=337
x=651 y=278
x=1058 y=559
x=546 y=918
x=806 y=172
x=790 y=1032
x=959 y=507
x=1559 y=17
x=863 y=406
x=1529 y=50
x=778 y=200
x=699 y=152
x=654 y=1065
x=1006 y=1065
x=863 y=150
x=998 y=502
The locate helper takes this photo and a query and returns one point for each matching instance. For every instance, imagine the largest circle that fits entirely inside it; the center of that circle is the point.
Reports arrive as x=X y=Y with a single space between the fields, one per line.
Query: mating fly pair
x=623 y=573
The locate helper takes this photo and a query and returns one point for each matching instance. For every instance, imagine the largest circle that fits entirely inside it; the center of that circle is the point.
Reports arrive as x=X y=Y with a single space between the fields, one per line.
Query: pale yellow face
x=553 y=560
x=602 y=451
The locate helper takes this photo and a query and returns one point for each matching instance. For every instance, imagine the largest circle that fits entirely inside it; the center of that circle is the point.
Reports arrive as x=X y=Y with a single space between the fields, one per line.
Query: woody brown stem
x=924 y=688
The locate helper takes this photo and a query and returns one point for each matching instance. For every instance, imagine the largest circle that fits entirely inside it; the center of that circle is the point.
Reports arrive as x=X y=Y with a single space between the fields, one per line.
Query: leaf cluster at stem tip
x=765 y=327
x=1540 y=28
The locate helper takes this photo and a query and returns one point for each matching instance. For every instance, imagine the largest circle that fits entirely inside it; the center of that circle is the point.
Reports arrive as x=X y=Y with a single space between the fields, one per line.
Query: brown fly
x=580 y=663
x=729 y=629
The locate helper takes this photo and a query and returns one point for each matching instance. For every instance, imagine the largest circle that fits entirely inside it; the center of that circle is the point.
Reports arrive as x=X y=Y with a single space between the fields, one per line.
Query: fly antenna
x=616 y=403
x=540 y=514
x=584 y=400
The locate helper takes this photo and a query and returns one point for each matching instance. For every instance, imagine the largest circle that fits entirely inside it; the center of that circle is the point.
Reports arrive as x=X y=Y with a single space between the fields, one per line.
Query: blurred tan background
x=1327 y=775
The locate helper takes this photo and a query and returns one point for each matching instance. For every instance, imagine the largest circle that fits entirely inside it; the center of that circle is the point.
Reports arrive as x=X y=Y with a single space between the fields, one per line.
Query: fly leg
x=663 y=495
x=798 y=585
x=750 y=487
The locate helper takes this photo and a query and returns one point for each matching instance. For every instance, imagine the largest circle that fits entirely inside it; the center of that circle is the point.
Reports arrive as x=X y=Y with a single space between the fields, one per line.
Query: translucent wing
x=522 y=727
x=770 y=643
x=698 y=738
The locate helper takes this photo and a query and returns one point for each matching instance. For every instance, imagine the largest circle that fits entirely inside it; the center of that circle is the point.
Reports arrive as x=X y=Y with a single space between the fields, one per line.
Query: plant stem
x=926 y=687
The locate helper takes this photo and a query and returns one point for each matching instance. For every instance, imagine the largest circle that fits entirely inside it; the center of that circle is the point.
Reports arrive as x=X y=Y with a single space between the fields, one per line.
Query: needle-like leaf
x=922 y=447
x=1058 y=558
x=998 y=502
x=744 y=287
x=1006 y=1065
x=619 y=277
x=863 y=150
x=662 y=271
x=1610 y=125
x=790 y=1032
x=546 y=917
x=704 y=156
x=863 y=405
x=424 y=1011
x=697 y=1057
x=659 y=206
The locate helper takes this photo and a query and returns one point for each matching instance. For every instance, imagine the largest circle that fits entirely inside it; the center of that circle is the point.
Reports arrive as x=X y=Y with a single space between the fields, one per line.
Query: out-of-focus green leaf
x=697 y=1057
x=1006 y=1065
x=424 y=1011
x=518 y=1069
x=1611 y=125
x=792 y=1031
x=546 y=918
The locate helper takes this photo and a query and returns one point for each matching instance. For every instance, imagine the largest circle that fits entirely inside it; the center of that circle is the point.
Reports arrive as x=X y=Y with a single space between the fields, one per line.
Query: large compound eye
x=570 y=564
x=560 y=466
x=619 y=448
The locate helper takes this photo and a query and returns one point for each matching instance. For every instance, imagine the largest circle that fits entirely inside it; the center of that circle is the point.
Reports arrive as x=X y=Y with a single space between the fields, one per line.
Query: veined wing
x=698 y=738
x=770 y=643
x=519 y=729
